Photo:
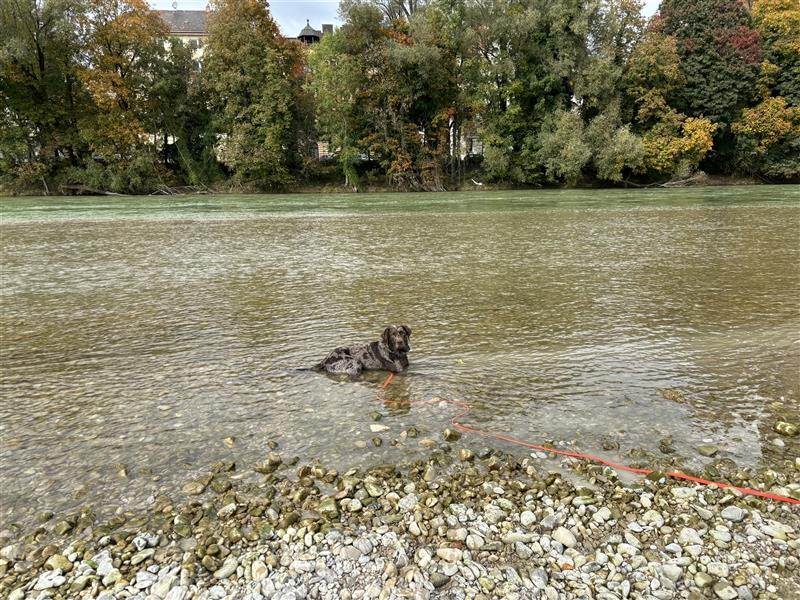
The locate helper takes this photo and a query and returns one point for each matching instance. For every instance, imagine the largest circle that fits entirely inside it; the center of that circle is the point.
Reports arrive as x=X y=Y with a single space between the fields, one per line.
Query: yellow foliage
x=779 y=22
x=670 y=149
x=769 y=122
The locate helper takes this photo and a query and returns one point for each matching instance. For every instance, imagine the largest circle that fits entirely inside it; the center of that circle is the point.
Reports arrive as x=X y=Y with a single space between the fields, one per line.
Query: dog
x=390 y=354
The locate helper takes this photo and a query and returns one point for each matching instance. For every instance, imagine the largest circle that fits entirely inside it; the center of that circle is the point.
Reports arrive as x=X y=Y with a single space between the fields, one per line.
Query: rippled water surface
x=144 y=331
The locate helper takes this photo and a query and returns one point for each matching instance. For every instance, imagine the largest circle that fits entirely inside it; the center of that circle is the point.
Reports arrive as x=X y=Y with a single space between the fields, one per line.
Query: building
x=189 y=26
x=309 y=35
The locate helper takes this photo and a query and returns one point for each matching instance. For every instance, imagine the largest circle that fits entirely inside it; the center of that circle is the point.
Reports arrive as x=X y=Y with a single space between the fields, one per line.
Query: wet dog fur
x=389 y=354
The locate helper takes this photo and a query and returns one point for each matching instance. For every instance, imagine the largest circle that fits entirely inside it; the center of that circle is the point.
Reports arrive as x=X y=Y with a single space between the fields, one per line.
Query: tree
x=335 y=85
x=256 y=89
x=768 y=134
x=719 y=58
x=385 y=92
x=531 y=51
x=40 y=96
x=769 y=139
x=673 y=144
x=778 y=24
x=121 y=39
x=178 y=109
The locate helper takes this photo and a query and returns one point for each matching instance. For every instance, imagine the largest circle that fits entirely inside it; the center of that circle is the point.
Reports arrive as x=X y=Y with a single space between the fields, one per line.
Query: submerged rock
x=787 y=429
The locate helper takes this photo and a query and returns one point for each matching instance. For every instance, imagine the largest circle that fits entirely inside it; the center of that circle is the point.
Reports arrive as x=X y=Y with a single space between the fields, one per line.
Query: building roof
x=185 y=21
x=309 y=31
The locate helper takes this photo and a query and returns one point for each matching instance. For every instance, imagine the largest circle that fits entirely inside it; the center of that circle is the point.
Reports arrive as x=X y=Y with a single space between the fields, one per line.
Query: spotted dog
x=390 y=354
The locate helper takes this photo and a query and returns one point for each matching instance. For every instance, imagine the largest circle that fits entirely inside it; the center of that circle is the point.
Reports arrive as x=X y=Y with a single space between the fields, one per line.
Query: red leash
x=589 y=457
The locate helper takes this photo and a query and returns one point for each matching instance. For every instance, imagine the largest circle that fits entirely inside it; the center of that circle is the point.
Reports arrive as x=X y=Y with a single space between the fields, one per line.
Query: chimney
x=327 y=28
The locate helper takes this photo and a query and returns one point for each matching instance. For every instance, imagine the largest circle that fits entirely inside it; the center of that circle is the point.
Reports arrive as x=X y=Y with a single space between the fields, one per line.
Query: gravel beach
x=462 y=524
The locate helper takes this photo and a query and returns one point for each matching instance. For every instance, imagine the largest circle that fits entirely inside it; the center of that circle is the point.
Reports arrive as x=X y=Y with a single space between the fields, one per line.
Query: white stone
x=717 y=569
x=450 y=554
x=527 y=518
x=689 y=536
x=733 y=513
x=49 y=579
x=474 y=541
x=565 y=536
x=683 y=493
x=227 y=569
x=602 y=515
x=408 y=503
x=258 y=570
x=163 y=585
x=672 y=572
x=176 y=593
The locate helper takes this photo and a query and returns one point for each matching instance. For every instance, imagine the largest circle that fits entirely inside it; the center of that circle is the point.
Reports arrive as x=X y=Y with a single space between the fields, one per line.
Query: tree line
x=407 y=94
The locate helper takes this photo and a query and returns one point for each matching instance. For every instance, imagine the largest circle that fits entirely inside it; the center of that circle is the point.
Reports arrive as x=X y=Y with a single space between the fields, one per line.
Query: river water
x=143 y=332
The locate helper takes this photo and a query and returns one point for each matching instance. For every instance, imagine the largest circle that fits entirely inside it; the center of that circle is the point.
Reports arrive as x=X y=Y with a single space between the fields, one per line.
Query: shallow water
x=144 y=331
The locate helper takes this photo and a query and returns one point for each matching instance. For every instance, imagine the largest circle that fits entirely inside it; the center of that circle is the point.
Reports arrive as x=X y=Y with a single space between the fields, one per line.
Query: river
x=142 y=339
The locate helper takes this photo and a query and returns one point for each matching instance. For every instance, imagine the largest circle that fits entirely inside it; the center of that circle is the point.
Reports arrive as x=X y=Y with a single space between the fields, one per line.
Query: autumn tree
x=719 y=55
x=387 y=95
x=768 y=134
x=531 y=51
x=673 y=143
x=121 y=39
x=778 y=24
x=255 y=82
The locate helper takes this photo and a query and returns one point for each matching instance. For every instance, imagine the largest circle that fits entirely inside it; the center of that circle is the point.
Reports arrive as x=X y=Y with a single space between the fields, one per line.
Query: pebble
x=725 y=591
x=672 y=572
x=49 y=579
x=683 y=493
x=351 y=553
x=491 y=531
x=733 y=513
x=450 y=554
x=565 y=537
x=602 y=515
x=142 y=556
x=707 y=450
x=527 y=518
x=689 y=536
x=227 y=569
x=703 y=580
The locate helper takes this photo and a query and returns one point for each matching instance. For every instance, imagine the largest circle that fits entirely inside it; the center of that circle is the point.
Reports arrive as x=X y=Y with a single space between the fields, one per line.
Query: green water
x=144 y=331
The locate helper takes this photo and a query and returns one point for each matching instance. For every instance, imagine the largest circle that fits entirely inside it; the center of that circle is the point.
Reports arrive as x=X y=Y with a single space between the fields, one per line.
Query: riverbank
x=336 y=187
x=456 y=525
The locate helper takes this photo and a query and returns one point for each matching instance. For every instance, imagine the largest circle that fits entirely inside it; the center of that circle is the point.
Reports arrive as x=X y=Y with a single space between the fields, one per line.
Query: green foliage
x=40 y=98
x=557 y=92
x=615 y=149
x=562 y=148
x=255 y=86
x=720 y=55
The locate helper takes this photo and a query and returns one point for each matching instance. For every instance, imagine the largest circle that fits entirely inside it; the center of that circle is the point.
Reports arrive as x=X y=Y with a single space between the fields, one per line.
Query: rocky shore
x=459 y=525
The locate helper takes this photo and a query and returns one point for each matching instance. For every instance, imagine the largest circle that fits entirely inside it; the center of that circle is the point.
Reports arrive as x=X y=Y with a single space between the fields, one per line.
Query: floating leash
x=466 y=408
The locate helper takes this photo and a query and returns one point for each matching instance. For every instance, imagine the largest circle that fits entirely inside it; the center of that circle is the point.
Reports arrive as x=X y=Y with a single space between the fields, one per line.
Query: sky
x=291 y=15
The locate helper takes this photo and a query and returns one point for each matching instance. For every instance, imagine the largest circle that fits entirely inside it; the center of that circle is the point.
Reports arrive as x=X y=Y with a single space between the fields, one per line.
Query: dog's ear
x=405 y=329
x=386 y=338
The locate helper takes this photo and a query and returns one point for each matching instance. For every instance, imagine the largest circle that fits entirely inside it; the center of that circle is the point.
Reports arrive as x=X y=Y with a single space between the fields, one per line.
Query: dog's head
x=396 y=338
